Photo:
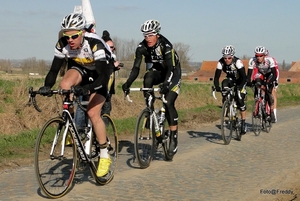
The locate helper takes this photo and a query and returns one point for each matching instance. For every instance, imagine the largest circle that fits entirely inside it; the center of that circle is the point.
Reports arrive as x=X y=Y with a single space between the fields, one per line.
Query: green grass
x=7 y=86
x=22 y=144
x=17 y=146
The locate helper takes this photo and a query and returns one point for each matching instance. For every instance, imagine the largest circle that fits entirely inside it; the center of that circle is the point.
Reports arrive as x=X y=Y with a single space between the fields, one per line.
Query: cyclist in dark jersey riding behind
x=235 y=76
x=89 y=69
x=163 y=67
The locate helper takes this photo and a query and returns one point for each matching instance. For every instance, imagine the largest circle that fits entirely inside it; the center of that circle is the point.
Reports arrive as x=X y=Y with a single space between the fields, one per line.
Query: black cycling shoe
x=243 y=127
x=173 y=146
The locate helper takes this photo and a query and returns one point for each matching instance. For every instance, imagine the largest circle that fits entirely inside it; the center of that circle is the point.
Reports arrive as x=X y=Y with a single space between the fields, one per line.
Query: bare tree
x=5 y=65
x=183 y=53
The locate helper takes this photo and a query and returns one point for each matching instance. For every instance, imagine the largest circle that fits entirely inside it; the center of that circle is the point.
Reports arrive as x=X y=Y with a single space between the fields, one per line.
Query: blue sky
x=29 y=28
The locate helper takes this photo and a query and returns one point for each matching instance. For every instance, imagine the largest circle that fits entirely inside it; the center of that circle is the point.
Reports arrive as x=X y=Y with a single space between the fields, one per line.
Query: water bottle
x=234 y=109
x=162 y=115
x=156 y=126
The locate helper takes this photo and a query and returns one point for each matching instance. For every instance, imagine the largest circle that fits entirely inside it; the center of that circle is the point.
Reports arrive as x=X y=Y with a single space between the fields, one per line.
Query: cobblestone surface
x=203 y=169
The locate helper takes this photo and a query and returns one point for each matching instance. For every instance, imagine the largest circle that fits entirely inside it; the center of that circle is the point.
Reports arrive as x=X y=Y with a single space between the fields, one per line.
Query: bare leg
x=274 y=93
x=94 y=108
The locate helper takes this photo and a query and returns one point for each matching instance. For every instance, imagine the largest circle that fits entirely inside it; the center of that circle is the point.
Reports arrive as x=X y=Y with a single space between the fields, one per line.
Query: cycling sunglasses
x=74 y=36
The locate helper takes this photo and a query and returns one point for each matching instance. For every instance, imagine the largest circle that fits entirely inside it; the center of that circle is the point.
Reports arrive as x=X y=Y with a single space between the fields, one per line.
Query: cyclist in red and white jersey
x=262 y=68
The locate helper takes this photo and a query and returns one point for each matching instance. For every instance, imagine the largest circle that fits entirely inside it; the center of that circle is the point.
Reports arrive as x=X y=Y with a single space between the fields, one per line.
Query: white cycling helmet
x=260 y=50
x=228 y=50
x=73 y=21
x=150 y=26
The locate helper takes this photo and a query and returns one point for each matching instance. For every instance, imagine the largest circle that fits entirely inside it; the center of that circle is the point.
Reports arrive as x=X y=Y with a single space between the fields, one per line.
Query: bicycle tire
x=113 y=149
x=256 y=118
x=55 y=173
x=166 y=142
x=226 y=123
x=144 y=139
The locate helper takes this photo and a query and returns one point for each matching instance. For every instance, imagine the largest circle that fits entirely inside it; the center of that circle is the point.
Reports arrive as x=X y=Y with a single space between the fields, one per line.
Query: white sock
x=274 y=110
x=104 y=153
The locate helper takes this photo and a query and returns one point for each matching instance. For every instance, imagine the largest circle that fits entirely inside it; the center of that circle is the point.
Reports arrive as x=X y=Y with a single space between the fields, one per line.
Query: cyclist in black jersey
x=235 y=76
x=163 y=67
x=89 y=68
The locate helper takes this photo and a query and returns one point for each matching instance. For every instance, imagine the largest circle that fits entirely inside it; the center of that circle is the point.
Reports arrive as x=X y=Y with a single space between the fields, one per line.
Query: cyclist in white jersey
x=89 y=58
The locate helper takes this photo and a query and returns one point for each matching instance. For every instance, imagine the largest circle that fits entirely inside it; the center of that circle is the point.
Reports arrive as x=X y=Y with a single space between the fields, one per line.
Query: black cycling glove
x=125 y=88
x=164 y=87
x=45 y=91
x=218 y=89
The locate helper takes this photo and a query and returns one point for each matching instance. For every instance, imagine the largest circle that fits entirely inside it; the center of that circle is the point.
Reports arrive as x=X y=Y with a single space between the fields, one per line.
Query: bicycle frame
x=232 y=109
x=157 y=126
x=83 y=149
x=261 y=96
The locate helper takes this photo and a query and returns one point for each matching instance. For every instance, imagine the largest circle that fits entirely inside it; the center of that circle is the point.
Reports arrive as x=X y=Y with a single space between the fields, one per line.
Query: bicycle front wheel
x=166 y=141
x=113 y=144
x=256 y=118
x=238 y=135
x=55 y=158
x=144 y=139
x=226 y=123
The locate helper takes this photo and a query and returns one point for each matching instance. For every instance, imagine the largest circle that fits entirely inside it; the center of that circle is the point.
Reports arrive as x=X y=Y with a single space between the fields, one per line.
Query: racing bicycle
x=261 y=114
x=61 y=149
x=229 y=119
x=150 y=130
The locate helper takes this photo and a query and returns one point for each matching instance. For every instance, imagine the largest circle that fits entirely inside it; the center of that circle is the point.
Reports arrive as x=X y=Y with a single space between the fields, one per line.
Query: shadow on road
x=209 y=136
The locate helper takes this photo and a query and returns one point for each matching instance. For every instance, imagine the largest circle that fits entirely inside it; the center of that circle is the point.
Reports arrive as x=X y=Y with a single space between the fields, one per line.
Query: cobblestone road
x=203 y=169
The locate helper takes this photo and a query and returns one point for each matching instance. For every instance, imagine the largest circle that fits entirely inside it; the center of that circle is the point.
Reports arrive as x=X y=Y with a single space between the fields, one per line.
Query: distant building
x=207 y=72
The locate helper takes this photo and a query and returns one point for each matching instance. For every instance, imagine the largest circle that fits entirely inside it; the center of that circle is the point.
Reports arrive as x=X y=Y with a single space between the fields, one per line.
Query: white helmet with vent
x=228 y=50
x=260 y=50
x=73 y=21
x=151 y=26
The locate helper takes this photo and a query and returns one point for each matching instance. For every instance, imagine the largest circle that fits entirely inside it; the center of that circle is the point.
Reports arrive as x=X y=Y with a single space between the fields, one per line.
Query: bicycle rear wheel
x=113 y=144
x=144 y=139
x=226 y=123
x=256 y=118
x=55 y=172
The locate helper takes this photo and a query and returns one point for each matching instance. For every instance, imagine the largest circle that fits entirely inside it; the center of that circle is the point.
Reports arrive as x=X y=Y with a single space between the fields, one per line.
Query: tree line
x=125 y=50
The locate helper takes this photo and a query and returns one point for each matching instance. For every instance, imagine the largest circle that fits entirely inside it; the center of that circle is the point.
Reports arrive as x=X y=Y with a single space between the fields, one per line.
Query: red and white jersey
x=263 y=68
